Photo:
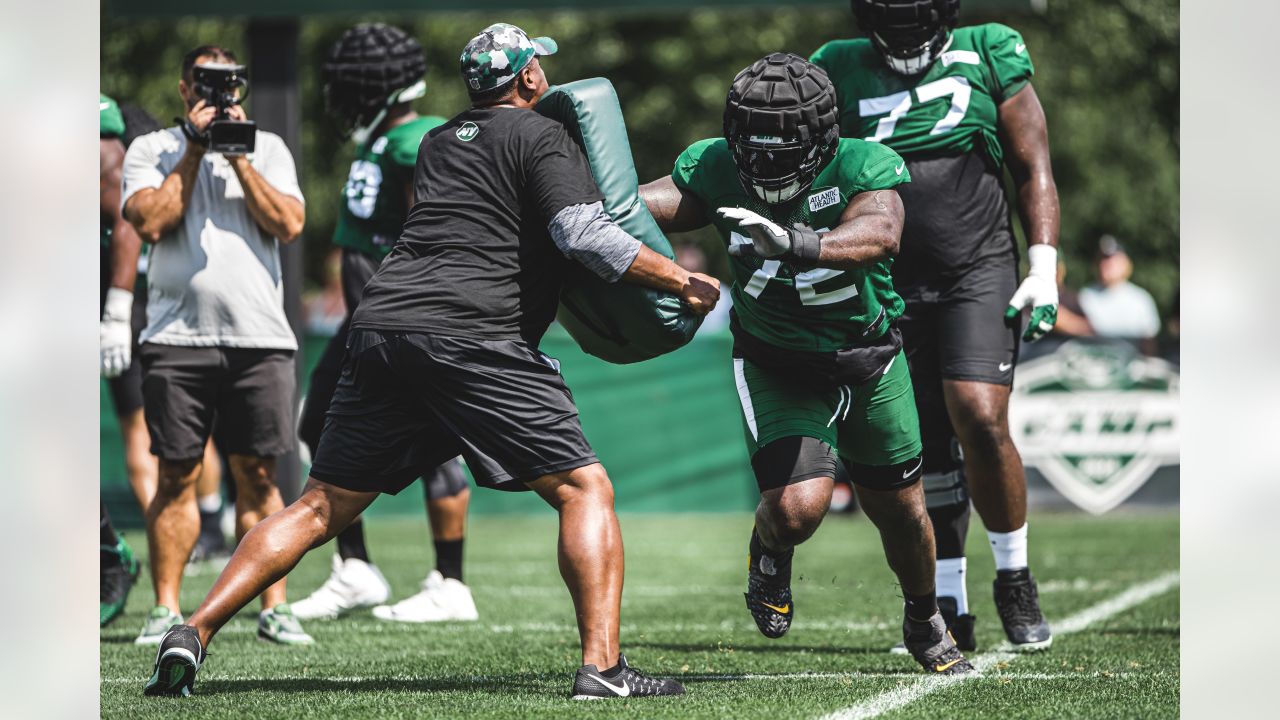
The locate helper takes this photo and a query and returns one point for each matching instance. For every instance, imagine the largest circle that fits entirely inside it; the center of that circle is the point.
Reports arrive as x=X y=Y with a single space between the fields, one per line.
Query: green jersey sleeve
x=110 y=120
x=883 y=168
x=689 y=172
x=1009 y=60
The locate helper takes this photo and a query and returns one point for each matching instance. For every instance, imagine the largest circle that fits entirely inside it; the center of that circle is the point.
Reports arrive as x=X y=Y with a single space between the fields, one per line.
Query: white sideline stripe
x=894 y=699
x=690 y=678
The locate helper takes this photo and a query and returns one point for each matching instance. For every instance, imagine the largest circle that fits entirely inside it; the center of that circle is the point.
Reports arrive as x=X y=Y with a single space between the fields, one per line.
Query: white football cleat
x=354 y=584
x=440 y=600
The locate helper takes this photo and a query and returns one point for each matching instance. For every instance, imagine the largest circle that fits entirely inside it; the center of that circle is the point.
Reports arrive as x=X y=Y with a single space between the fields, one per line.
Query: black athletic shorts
x=250 y=392
x=957 y=269
x=406 y=402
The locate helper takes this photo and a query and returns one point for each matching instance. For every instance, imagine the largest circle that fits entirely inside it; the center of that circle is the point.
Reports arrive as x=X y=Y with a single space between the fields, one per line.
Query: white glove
x=1039 y=291
x=115 y=332
x=768 y=239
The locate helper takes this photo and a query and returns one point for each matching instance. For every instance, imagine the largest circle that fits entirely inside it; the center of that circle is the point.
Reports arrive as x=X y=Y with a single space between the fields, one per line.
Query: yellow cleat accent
x=785 y=609
x=944 y=668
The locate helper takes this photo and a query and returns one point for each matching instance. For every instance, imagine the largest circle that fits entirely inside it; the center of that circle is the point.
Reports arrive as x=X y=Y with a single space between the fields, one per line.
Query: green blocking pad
x=617 y=322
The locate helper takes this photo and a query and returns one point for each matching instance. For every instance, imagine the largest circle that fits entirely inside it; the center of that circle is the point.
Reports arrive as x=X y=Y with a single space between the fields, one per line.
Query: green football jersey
x=110 y=121
x=820 y=309
x=950 y=109
x=374 y=206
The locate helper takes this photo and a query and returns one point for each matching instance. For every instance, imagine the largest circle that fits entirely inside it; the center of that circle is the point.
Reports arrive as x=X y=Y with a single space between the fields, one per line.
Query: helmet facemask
x=777 y=169
x=908 y=34
x=907 y=53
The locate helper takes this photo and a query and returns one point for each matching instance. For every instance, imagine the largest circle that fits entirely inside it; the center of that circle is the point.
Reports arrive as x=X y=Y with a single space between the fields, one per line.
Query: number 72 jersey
x=950 y=109
x=822 y=309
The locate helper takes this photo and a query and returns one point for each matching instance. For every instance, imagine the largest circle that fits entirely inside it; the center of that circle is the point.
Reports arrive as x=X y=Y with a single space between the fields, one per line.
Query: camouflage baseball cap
x=493 y=57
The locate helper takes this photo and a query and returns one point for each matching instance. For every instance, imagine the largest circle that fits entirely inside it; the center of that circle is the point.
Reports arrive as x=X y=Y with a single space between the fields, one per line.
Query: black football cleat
x=768 y=600
x=933 y=647
x=177 y=662
x=1018 y=604
x=590 y=684
x=960 y=626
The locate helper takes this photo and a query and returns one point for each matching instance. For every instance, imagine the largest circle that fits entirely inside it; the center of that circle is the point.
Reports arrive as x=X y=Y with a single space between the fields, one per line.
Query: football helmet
x=372 y=67
x=909 y=34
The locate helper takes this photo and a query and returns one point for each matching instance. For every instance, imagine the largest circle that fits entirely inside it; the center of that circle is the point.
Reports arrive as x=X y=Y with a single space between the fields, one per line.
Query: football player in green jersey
x=372 y=75
x=957 y=104
x=812 y=223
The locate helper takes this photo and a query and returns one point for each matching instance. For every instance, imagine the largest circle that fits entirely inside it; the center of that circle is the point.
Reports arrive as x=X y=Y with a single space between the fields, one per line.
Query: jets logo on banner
x=1096 y=419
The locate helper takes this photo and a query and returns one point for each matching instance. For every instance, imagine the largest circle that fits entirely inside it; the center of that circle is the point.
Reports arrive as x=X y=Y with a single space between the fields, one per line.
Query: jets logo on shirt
x=824 y=199
x=468 y=131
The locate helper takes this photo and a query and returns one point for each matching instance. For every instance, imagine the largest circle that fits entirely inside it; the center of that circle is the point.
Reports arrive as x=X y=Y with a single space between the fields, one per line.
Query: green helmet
x=110 y=121
x=498 y=53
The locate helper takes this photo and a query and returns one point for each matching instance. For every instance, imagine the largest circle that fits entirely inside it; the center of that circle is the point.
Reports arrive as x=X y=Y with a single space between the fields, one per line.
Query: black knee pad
x=946 y=496
x=790 y=460
x=445 y=481
x=885 y=477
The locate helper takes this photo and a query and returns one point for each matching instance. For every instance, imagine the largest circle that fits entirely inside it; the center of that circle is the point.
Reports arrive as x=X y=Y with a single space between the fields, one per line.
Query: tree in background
x=1106 y=73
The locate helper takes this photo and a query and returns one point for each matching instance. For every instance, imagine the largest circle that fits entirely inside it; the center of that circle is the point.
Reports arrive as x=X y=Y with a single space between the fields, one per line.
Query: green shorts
x=870 y=424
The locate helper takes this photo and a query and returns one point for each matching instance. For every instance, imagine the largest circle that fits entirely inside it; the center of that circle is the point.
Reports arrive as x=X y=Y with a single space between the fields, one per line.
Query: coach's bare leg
x=789 y=515
x=210 y=480
x=257 y=497
x=905 y=532
x=273 y=547
x=997 y=482
x=448 y=516
x=140 y=465
x=591 y=558
x=173 y=522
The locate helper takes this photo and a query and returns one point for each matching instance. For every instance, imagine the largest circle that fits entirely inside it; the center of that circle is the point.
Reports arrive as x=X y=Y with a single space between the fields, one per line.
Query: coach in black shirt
x=443 y=358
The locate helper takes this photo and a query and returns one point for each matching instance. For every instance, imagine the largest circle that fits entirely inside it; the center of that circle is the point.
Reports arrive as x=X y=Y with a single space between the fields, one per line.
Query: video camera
x=222 y=86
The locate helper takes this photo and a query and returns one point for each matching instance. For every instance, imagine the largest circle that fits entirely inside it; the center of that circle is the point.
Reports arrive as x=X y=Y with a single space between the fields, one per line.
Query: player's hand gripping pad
x=617 y=322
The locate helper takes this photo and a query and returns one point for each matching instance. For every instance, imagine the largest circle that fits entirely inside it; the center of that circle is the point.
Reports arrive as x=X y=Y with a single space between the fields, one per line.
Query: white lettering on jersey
x=824 y=199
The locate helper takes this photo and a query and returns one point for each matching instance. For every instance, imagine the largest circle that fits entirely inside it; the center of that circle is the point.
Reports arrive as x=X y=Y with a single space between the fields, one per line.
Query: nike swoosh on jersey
x=898 y=170
x=780 y=610
x=1004 y=367
x=1020 y=48
x=621 y=690
x=907 y=473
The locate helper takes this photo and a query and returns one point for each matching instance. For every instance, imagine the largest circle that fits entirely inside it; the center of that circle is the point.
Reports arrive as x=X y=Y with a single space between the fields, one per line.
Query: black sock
x=921 y=607
x=351 y=542
x=449 y=558
x=613 y=671
x=108 y=533
x=779 y=562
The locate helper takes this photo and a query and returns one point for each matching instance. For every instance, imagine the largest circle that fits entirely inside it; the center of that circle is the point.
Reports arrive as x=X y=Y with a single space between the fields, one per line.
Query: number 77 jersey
x=816 y=310
x=950 y=109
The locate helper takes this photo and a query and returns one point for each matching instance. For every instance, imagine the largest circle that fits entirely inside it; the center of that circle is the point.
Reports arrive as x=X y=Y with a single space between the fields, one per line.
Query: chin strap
x=419 y=89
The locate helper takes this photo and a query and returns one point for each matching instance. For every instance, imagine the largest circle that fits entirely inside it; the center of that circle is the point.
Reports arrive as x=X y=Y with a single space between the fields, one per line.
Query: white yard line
x=906 y=694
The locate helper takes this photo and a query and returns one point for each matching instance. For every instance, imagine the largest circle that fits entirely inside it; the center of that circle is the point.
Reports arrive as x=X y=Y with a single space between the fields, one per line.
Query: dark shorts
x=249 y=392
x=407 y=402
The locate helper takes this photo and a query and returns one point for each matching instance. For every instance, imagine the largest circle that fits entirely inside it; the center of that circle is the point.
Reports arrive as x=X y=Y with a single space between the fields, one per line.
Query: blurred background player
x=119 y=247
x=217 y=344
x=812 y=222
x=373 y=73
x=952 y=101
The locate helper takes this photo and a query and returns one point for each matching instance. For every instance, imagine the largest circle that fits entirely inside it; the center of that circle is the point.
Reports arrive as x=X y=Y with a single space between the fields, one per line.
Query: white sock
x=210 y=503
x=1009 y=548
x=949 y=577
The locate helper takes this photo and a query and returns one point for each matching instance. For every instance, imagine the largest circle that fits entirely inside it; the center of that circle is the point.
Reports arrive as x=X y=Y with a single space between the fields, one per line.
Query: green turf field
x=1109 y=585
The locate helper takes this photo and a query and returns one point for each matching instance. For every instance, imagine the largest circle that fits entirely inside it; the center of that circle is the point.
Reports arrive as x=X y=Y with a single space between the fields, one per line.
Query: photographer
x=217 y=343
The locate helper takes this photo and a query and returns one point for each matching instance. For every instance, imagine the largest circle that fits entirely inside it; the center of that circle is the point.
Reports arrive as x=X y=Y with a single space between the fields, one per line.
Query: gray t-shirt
x=214 y=280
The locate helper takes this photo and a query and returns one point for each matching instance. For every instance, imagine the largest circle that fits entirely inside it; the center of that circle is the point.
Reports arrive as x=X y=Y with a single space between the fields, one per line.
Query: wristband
x=806 y=246
x=1043 y=260
x=119 y=305
x=189 y=131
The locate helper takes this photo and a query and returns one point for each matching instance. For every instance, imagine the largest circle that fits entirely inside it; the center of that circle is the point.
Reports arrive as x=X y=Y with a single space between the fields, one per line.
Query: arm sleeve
x=587 y=234
x=277 y=167
x=1010 y=60
x=559 y=175
x=141 y=168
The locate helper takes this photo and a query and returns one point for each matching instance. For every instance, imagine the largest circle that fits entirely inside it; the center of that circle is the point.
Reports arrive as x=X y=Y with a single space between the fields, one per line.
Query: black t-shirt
x=475 y=258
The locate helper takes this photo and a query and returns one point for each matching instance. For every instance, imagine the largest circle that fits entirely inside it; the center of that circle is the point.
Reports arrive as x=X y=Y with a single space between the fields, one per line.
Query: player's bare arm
x=700 y=292
x=277 y=213
x=676 y=210
x=1026 y=140
x=125 y=243
x=156 y=211
x=870 y=231
x=1026 y=136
